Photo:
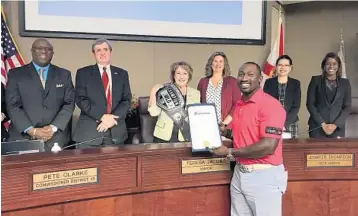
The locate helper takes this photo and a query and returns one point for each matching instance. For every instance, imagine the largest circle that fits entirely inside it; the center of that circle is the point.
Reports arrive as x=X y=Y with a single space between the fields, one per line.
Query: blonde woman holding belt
x=165 y=129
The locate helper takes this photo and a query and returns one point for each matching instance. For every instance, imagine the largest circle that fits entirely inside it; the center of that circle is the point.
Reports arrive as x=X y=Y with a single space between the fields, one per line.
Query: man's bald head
x=249 y=78
x=258 y=68
x=42 y=52
x=41 y=41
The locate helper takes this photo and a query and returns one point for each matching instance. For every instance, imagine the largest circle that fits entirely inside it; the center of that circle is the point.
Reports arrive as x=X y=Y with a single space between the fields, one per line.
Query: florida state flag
x=277 y=50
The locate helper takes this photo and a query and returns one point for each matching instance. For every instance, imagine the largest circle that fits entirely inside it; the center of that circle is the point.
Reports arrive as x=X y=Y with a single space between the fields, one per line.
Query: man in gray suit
x=40 y=99
x=104 y=96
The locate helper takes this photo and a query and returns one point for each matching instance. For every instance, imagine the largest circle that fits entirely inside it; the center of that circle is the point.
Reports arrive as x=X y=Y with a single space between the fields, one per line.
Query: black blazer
x=4 y=133
x=91 y=99
x=292 y=97
x=331 y=113
x=28 y=104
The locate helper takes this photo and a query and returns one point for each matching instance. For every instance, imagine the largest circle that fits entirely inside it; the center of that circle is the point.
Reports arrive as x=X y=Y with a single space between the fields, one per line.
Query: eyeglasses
x=282 y=65
x=40 y=49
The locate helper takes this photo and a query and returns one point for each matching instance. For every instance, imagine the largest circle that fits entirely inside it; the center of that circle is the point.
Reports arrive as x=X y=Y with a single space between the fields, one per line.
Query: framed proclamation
x=204 y=128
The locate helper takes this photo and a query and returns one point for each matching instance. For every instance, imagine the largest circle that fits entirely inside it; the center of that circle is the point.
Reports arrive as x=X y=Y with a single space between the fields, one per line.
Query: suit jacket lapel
x=289 y=90
x=274 y=87
x=204 y=88
x=338 y=92
x=51 y=78
x=97 y=80
x=115 y=88
x=35 y=76
x=224 y=103
x=323 y=92
x=189 y=96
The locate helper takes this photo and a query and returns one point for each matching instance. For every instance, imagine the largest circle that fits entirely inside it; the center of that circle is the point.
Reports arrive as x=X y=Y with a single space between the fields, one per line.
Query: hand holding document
x=204 y=127
x=286 y=135
x=224 y=138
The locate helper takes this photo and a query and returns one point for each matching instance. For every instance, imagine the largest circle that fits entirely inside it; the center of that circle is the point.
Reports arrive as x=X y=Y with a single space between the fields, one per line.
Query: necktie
x=107 y=90
x=41 y=74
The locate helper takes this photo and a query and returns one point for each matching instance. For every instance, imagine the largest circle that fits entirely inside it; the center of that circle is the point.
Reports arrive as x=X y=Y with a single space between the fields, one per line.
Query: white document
x=28 y=151
x=286 y=135
x=204 y=128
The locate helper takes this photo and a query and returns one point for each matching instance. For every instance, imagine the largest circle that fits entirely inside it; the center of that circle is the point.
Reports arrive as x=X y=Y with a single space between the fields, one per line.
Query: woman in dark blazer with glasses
x=328 y=100
x=288 y=91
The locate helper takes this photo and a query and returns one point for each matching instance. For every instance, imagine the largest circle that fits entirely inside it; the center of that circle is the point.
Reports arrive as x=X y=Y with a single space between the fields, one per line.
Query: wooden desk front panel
x=204 y=201
x=142 y=178
x=295 y=161
x=130 y=173
x=164 y=171
x=321 y=198
x=115 y=175
x=308 y=198
x=320 y=191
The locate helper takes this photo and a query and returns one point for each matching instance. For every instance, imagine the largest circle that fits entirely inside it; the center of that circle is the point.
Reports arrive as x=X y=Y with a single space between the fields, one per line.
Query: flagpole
x=341 y=55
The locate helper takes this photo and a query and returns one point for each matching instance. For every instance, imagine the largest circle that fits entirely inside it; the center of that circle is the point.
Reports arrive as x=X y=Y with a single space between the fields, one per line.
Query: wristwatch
x=54 y=128
x=229 y=155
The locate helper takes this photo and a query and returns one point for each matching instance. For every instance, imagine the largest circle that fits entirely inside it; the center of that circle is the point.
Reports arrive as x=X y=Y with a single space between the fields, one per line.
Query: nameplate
x=64 y=178
x=204 y=165
x=330 y=160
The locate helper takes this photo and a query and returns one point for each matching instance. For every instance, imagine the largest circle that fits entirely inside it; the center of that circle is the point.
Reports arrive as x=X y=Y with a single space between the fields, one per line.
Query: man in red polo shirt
x=259 y=178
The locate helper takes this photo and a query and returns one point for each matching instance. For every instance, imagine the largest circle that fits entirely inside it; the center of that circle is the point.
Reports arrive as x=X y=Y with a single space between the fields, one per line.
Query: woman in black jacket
x=328 y=100
x=288 y=91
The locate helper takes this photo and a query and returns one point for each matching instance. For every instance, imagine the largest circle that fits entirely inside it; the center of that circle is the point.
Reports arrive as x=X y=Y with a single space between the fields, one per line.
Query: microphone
x=312 y=129
x=287 y=135
x=338 y=137
x=57 y=148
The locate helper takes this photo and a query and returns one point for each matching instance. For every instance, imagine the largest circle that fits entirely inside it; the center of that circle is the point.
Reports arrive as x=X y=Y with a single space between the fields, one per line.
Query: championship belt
x=171 y=101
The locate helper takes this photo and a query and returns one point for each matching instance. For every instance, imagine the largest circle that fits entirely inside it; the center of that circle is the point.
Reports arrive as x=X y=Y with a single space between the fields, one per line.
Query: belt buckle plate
x=244 y=169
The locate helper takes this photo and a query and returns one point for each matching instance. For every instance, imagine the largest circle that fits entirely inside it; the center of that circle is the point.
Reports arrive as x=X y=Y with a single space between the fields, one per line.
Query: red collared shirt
x=260 y=116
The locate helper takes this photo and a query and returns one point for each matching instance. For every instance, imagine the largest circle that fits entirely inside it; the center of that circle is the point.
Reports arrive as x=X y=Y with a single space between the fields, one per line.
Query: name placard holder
x=330 y=160
x=204 y=165
x=64 y=178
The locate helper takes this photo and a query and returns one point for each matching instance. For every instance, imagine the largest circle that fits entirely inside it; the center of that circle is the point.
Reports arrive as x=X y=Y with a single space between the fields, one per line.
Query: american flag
x=10 y=55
